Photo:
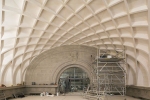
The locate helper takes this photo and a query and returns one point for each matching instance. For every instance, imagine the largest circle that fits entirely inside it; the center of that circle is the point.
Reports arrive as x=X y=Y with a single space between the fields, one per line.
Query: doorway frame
x=61 y=70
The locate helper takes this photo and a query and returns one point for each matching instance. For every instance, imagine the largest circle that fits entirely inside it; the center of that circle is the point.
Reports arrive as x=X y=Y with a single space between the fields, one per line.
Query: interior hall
x=75 y=49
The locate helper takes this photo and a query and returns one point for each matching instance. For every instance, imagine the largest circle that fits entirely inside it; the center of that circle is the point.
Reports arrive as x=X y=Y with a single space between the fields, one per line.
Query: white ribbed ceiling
x=29 y=27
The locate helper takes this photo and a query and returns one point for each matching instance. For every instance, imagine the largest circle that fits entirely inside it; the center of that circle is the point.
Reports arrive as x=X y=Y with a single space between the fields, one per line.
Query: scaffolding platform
x=110 y=59
x=109 y=74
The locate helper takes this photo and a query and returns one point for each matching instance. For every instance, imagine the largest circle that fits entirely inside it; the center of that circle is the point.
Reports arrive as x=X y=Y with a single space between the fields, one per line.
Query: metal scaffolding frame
x=109 y=69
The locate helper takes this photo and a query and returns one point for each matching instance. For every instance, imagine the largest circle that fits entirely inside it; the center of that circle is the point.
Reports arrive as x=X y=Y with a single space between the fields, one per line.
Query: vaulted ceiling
x=30 y=27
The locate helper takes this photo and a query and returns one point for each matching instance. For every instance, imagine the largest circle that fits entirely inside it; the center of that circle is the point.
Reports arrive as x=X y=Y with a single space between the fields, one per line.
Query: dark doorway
x=73 y=79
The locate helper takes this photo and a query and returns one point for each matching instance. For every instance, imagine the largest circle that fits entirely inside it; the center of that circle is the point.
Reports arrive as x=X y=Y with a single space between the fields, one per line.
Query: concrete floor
x=71 y=98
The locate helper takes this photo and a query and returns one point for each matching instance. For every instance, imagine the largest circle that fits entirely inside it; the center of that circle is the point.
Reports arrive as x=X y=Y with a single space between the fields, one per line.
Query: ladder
x=2 y=95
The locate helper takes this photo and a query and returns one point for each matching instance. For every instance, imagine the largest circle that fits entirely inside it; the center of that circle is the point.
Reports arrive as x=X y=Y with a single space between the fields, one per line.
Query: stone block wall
x=138 y=92
x=8 y=91
x=40 y=88
x=48 y=66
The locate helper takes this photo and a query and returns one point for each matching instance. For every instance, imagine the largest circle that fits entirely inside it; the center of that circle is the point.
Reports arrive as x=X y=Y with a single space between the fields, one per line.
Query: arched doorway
x=73 y=79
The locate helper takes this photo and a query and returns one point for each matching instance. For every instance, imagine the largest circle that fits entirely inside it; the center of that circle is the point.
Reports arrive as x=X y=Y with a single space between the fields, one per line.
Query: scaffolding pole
x=110 y=73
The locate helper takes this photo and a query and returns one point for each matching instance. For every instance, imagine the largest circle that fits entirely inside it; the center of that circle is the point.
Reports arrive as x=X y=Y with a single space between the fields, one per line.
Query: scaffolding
x=109 y=74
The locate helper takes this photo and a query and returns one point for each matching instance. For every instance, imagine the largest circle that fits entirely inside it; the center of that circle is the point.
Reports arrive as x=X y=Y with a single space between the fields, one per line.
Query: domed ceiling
x=30 y=27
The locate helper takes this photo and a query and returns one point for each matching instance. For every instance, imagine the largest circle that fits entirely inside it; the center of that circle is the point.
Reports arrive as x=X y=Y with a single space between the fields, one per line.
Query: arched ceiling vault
x=30 y=27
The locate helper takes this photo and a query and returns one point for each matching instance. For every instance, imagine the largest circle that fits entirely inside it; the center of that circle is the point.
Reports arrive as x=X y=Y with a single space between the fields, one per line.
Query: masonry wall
x=139 y=92
x=48 y=66
x=9 y=91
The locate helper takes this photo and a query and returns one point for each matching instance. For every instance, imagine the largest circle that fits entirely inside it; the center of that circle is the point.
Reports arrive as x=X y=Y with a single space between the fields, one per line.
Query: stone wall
x=41 y=88
x=48 y=66
x=8 y=91
x=27 y=90
x=138 y=92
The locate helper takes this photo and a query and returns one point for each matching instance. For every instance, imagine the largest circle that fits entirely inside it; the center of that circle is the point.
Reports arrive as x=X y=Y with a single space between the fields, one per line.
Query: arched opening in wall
x=73 y=80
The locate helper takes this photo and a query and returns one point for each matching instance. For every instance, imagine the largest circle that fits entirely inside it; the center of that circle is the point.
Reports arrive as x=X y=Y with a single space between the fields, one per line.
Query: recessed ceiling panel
x=54 y=5
x=76 y=4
